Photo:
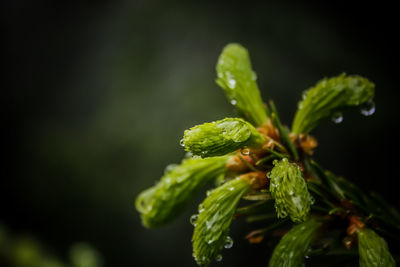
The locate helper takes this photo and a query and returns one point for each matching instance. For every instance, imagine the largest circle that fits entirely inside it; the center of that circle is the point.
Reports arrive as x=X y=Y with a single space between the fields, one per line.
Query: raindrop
x=208 y=192
x=307 y=257
x=368 y=108
x=189 y=155
x=337 y=117
x=300 y=105
x=253 y=76
x=245 y=151
x=200 y=208
x=182 y=143
x=233 y=102
x=232 y=83
x=169 y=168
x=311 y=200
x=291 y=192
x=219 y=257
x=304 y=94
x=193 y=219
x=228 y=242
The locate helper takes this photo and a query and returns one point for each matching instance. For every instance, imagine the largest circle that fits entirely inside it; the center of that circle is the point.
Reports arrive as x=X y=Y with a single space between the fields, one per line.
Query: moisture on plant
x=264 y=172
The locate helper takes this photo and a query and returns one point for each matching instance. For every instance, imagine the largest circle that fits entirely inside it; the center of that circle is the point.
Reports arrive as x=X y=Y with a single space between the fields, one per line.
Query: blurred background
x=97 y=97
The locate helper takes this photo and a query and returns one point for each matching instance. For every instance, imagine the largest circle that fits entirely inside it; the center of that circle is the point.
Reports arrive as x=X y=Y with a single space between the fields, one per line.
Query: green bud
x=289 y=190
x=215 y=216
x=373 y=250
x=292 y=249
x=164 y=201
x=238 y=80
x=221 y=137
x=329 y=97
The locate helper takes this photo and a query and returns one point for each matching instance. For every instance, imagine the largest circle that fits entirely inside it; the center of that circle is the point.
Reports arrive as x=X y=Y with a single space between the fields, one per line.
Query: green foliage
x=25 y=251
x=164 y=201
x=215 y=216
x=328 y=97
x=337 y=199
x=293 y=247
x=238 y=80
x=373 y=250
x=83 y=255
x=221 y=137
x=289 y=190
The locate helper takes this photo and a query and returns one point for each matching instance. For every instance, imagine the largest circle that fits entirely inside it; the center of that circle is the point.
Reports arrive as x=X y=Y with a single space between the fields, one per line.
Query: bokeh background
x=97 y=96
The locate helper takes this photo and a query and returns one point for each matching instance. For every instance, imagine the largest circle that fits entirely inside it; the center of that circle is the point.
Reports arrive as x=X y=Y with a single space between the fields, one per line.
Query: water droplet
x=231 y=188
x=337 y=117
x=193 y=219
x=307 y=257
x=233 y=102
x=200 y=208
x=368 y=108
x=182 y=143
x=253 y=75
x=245 y=151
x=228 y=242
x=219 y=257
x=304 y=94
x=300 y=105
x=291 y=192
x=232 y=83
x=169 y=168
x=208 y=192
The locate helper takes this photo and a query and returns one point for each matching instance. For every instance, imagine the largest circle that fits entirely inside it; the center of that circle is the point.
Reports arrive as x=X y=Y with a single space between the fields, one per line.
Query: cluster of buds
x=255 y=158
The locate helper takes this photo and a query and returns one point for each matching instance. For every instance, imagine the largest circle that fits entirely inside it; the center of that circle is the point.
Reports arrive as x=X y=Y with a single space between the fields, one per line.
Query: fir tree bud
x=292 y=248
x=329 y=97
x=221 y=137
x=373 y=250
x=164 y=201
x=289 y=190
x=214 y=219
x=236 y=77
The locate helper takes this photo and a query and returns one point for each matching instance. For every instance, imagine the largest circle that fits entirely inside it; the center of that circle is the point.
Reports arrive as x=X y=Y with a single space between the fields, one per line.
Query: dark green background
x=97 y=97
